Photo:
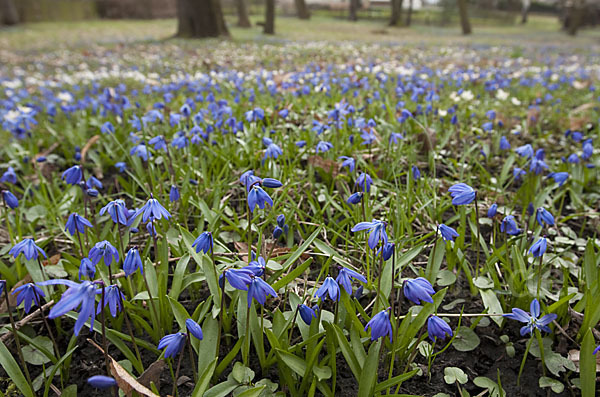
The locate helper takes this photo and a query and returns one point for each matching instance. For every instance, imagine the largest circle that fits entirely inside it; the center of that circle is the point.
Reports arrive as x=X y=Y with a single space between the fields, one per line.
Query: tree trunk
x=269 y=27
x=200 y=18
x=396 y=12
x=242 y=11
x=8 y=13
x=354 y=4
x=302 y=9
x=574 y=15
x=409 y=13
x=525 y=10
x=464 y=17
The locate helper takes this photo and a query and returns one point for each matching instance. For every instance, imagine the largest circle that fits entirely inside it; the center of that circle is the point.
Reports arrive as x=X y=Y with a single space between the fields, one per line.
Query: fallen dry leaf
x=574 y=356
x=152 y=374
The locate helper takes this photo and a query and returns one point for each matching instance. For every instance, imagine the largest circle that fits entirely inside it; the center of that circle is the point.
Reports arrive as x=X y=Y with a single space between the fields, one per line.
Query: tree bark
x=200 y=18
x=396 y=16
x=242 y=11
x=302 y=9
x=409 y=13
x=8 y=13
x=574 y=15
x=525 y=10
x=354 y=4
x=464 y=17
x=269 y=27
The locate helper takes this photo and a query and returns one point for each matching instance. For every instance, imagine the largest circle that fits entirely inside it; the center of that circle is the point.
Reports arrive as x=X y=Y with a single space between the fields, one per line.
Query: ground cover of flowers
x=299 y=219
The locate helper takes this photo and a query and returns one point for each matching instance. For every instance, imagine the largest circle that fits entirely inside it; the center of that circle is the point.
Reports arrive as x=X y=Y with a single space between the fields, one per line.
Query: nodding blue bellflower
x=73 y=175
x=448 y=233
x=132 y=262
x=204 y=242
x=504 y=143
x=9 y=176
x=492 y=211
x=259 y=289
x=348 y=162
x=28 y=294
x=28 y=248
x=76 y=223
x=10 y=199
x=194 y=329
x=113 y=298
x=238 y=278
x=544 y=216
x=330 y=288
x=307 y=313
x=117 y=211
x=153 y=209
x=377 y=234
x=174 y=194
x=101 y=381
x=539 y=247
x=172 y=343
x=257 y=266
x=418 y=289
x=462 y=194
x=532 y=320
x=559 y=177
x=509 y=226
x=355 y=198
x=258 y=197
x=438 y=328
x=388 y=250
x=380 y=325
x=103 y=250
x=87 y=269
x=364 y=181
x=416 y=173
x=323 y=146
x=344 y=278
x=77 y=294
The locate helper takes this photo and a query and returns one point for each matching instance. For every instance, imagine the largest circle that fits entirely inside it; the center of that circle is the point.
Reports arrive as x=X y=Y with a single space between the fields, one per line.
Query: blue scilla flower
x=448 y=233
x=10 y=199
x=438 y=328
x=254 y=115
x=504 y=143
x=329 y=287
x=509 y=226
x=158 y=142
x=525 y=151
x=281 y=220
x=532 y=319
x=73 y=175
x=238 y=278
x=377 y=234
x=28 y=294
x=348 y=162
x=596 y=350
x=258 y=197
x=324 y=146
x=141 y=151
x=415 y=173
x=101 y=382
x=277 y=232
x=462 y=194
x=308 y=313
x=345 y=277
x=204 y=242
x=77 y=294
x=272 y=151
x=364 y=181
x=117 y=211
x=194 y=329
x=107 y=128
x=76 y=223
x=539 y=247
x=113 y=298
x=518 y=173
x=492 y=211
x=153 y=209
x=93 y=183
x=388 y=250
x=174 y=194
x=121 y=166
x=418 y=289
x=395 y=138
x=104 y=250
x=380 y=325
x=28 y=248
x=544 y=216
x=488 y=126
x=9 y=176
x=259 y=289
x=132 y=262
x=173 y=343
x=490 y=114
x=271 y=183
x=257 y=265
x=559 y=177
x=87 y=269
x=355 y=198
x=537 y=166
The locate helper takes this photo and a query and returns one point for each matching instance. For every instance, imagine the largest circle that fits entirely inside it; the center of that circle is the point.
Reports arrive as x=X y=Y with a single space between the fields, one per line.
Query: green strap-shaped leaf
x=14 y=372
x=587 y=366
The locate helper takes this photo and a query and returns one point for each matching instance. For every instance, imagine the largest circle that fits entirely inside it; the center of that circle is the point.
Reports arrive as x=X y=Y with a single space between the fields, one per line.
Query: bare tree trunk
x=409 y=14
x=242 y=11
x=354 y=4
x=269 y=27
x=574 y=16
x=396 y=17
x=8 y=13
x=525 y=10
x=464 y=17
x=302 y=9
x=200 y=18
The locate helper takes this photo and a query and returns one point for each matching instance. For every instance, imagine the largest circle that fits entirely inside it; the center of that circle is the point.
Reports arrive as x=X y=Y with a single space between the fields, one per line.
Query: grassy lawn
x=540 y=31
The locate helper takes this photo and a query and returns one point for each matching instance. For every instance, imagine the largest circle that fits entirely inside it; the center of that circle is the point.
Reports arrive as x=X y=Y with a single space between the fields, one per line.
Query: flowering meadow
x=299 y=219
